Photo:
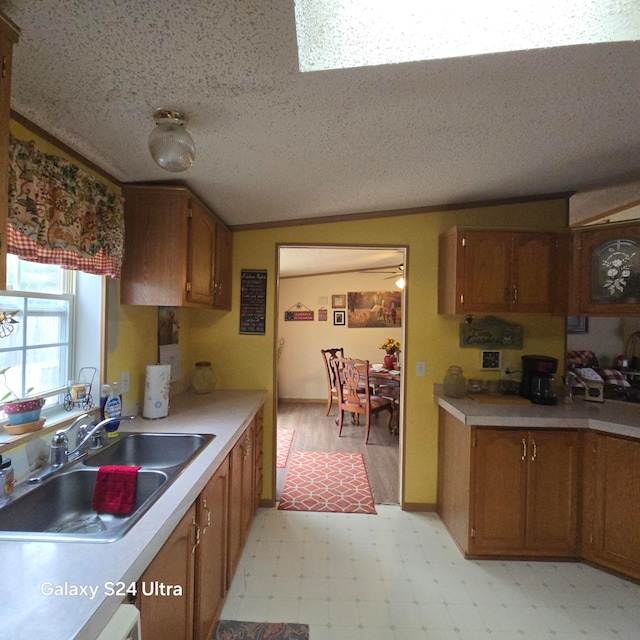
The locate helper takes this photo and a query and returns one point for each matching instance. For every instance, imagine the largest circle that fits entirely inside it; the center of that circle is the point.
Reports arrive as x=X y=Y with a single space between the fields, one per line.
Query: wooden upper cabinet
x=606 y=269
x=171 y=250
x=223 y=268
x=8 y=37
x=482 y=270
x=201 y=255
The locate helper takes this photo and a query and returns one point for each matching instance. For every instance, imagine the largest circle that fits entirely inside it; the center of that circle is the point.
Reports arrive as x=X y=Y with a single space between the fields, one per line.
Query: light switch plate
x=491 y=360
x=124 y=382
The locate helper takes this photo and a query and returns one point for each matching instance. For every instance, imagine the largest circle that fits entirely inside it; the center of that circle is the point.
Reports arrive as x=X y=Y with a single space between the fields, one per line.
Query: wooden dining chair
x=354 y=394
x=327 y=356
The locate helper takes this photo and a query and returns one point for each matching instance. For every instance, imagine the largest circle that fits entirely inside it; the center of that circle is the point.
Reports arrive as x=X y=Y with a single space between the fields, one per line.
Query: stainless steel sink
x=60 y=508
x=152 y=450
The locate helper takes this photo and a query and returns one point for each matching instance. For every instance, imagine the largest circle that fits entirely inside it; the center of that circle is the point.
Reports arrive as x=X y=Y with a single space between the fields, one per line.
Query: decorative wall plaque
x=491 y=333
x=253 y=301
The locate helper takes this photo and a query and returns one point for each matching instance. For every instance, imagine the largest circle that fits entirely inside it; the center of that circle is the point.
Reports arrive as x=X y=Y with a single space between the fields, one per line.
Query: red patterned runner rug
x=320 y=481
x=284 y=438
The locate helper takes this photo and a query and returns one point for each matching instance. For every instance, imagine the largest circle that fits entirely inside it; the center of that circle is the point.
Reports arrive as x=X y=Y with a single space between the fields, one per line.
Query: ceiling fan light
x=400 y=283
x=170 y=144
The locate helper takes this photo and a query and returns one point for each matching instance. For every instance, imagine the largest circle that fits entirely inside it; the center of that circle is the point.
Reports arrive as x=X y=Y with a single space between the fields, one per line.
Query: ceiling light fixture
x=170 y=144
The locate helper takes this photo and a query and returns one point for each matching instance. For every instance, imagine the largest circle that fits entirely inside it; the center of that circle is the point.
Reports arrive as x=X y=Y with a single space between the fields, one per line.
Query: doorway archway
x=316 y=280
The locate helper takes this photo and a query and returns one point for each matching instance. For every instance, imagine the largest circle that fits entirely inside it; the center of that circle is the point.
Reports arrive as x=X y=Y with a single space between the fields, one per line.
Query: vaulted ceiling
x=274 y=144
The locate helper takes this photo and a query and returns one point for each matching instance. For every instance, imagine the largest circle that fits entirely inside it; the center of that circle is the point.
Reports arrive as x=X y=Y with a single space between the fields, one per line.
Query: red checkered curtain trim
x=60 y=214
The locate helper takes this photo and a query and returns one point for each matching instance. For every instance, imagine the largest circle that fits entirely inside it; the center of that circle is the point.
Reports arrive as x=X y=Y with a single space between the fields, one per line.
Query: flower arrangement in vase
x=392 y=347
x=19 y=410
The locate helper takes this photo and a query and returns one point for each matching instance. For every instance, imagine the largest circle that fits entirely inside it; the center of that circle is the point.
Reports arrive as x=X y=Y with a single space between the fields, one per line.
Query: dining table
x=386 y=383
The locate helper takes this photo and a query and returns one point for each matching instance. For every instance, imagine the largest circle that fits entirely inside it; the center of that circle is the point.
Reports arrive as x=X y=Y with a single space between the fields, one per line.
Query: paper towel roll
x=156 y=391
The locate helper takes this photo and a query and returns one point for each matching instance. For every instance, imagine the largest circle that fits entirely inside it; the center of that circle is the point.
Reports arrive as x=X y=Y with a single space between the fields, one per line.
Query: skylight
x=338 y=34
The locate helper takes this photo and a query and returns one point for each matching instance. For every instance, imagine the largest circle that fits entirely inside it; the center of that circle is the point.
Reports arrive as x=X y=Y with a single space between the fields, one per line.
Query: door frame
x=405 y=301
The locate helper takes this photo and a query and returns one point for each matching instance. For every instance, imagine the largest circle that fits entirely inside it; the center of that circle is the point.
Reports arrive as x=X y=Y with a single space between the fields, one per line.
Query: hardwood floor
x=314 y=431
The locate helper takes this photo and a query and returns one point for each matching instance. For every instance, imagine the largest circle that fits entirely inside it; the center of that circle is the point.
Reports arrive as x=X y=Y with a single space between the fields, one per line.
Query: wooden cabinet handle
x=208 y=524
x=195 y=546
x=246 y=447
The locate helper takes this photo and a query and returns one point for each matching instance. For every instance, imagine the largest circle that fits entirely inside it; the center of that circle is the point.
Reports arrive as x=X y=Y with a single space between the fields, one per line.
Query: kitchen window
x=54 y=335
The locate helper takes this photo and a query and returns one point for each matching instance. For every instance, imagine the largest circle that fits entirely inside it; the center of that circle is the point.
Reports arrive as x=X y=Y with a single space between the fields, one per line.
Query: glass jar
x=455 y=384
x=203 y=379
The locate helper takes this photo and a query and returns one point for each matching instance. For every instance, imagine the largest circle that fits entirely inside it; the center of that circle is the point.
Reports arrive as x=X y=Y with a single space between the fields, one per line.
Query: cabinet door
x=531 y=272
x=248 y=479
x=259 y=459
x=608 y=269
x=154 y=271
x=618 y=504
x=499 y=489
x=487 y=271
x=200 y=272
x=211 y=561
x=8 y=35
x=552 y=492
x=236 y=538
x=223 y=268
x=172 y=616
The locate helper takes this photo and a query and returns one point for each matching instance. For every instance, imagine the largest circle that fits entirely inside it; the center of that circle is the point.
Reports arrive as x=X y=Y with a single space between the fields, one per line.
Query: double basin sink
x=60 y=509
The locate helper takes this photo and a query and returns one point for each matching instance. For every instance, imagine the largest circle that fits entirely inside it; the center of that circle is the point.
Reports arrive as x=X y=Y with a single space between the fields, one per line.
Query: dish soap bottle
x=113 y=409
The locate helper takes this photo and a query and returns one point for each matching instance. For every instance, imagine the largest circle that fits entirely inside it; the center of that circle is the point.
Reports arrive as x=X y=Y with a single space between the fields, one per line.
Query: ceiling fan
x=394 y=270
x=398 y=273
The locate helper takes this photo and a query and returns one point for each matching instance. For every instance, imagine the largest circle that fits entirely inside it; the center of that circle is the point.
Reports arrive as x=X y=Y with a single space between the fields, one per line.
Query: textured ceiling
x=274 y=144
x=304 y=261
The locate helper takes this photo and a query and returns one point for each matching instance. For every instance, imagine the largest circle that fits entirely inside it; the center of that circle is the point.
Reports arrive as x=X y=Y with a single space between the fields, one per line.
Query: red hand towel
x=115 y=490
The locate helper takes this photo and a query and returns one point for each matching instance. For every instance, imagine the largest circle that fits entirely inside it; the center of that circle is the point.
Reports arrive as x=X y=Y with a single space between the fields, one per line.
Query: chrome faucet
x=87 y=438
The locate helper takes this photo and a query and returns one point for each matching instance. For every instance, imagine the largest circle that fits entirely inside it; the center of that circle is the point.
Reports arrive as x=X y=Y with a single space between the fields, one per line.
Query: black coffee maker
x=537 y=379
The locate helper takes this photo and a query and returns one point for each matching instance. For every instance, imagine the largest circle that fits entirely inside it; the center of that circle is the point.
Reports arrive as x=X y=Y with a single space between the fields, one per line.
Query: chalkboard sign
x=253 y=301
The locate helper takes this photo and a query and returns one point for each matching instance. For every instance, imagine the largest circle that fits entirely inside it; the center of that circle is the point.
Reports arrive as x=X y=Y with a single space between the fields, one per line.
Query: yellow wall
x=242 y=361
x=247 y=361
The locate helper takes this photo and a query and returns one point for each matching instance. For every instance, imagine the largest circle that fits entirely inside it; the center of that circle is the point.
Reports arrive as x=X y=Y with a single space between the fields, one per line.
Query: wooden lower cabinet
x=612 y=525
x=170 y=616
x=508 y=491
x=202 y=553
x=524 y=492
x=241 y=496
x=211 y=561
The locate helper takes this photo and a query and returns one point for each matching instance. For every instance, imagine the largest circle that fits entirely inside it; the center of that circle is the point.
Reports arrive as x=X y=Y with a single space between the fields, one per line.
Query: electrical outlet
x=124 y=382
x=421 y=368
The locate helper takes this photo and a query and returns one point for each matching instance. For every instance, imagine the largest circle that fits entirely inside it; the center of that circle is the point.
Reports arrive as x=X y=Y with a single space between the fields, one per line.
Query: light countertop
x=611 y=416
x=30 y=568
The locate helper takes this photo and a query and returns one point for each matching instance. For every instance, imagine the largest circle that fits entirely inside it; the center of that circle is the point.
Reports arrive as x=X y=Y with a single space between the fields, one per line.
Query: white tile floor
x=398 y=576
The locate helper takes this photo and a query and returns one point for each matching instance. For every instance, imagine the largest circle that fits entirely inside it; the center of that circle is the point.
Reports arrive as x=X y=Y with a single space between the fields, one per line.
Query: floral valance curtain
x=60 y=214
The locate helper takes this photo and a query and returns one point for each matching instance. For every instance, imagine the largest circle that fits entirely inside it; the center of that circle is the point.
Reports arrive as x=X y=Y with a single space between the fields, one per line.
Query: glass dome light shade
x=170 y=144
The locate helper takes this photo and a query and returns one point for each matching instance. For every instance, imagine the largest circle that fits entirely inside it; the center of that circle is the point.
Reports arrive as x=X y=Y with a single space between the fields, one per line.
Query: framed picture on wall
x=339 y=302
x=338 y=317
x=577 y=324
